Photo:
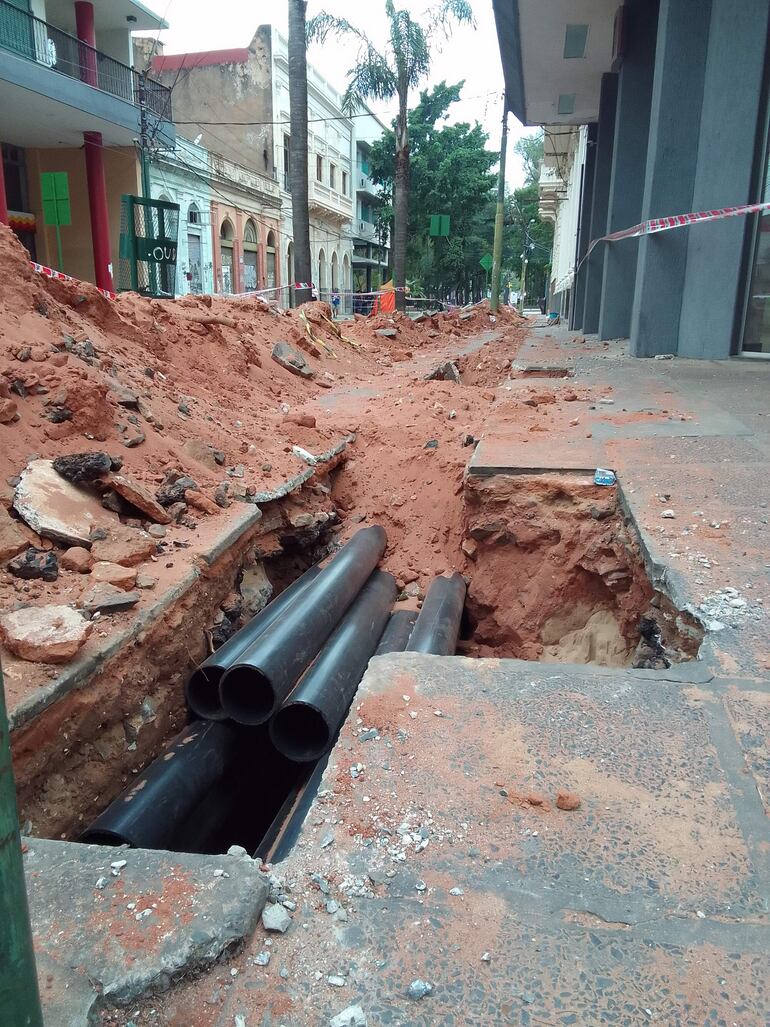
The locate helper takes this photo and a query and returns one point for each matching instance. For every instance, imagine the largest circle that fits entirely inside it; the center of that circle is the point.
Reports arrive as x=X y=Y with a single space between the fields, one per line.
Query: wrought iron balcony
x=23 y=34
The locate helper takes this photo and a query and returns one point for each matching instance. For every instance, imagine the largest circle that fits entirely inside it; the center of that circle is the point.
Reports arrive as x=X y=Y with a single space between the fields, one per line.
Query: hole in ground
x=559 y=577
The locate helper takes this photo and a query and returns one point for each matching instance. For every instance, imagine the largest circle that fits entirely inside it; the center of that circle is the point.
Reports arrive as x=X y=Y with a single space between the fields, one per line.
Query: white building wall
x=330 y=233
x=175 y=178
x=567 y=221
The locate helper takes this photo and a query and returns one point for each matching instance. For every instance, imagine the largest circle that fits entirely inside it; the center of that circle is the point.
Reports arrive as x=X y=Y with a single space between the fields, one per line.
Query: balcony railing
x=23 y=34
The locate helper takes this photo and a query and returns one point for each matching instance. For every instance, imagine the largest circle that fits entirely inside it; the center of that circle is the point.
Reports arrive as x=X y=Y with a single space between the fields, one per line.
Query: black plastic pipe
x=397 y=632
x=305 y=726
x=203 y=687
x=438 y=626
x=256 y=686
x=149 y=813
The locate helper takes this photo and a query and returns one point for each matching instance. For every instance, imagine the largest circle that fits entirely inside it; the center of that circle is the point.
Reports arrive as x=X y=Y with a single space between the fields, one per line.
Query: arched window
x=321 y=273
x=335 y=271
x=226 y=239
x=270 y=260
x=193 y=215
x=250 y=260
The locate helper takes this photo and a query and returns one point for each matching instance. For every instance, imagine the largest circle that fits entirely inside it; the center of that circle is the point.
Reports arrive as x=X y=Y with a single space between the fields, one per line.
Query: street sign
x=486 y=262
x=55 y=194
x=439 y=224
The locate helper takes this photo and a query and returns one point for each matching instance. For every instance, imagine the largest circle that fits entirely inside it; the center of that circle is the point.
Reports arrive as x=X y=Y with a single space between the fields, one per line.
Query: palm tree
x=385 y=70
x=298 y=146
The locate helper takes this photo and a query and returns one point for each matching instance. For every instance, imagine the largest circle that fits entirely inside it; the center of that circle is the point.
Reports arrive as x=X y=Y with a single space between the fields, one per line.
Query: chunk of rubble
x=77 y=559
x=82 y=467
x=126 y=546
x=106 y=573
x=446 y=372
x=353 y=1016
x=107 y=598
x=35 y=563
x=11 y=539
x=55 y=508
x=290 y=358
x=139 y=496
x=275 y=918
x=386 y=333
x=44 y=634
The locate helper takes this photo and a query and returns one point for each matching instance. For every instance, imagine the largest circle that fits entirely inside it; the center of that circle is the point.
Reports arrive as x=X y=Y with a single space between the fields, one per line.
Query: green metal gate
x=149 y=232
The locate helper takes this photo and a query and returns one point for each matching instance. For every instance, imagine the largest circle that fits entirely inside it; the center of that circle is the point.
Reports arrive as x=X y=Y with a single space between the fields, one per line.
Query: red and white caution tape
x=51 y=272
x=677 y=221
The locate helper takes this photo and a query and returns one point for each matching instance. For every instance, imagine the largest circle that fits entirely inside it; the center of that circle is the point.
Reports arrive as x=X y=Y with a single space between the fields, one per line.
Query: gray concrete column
x=677 y=95
x=712 y=300
x=632 y=129
x=584 y=231
x=594 y=265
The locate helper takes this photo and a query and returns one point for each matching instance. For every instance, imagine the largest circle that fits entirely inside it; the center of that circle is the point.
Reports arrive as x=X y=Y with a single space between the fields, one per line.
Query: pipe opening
x=102 y=838
x=203 y=693
x=300 y=732
x=247 y=696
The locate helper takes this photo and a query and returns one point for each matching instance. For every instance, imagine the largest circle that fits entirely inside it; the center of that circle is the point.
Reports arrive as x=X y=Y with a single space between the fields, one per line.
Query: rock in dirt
x=353 y=1016
x=291 y=359
x=11 y=539
x=35 y=563
x=386 y=333
x=8 y=411
x=419 y=989
x=109 y=599
x=55 y=508
x=82 y=467
x=174 y=488
x=77 y=559
x=446 y=372
x=202 y=503
x=44 y=634
x=139 y=496
x=125 y=546
x=114 y=574
x=275 y=918
x=204 y=453
x=256 y=589
x=303 y=420
x=568 y=800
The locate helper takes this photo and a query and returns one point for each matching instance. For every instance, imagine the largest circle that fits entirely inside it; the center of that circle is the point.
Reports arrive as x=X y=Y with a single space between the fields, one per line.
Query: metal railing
x=27 y=36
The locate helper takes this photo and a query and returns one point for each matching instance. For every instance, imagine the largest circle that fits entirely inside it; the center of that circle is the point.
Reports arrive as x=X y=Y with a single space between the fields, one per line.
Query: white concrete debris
x=353 y=1016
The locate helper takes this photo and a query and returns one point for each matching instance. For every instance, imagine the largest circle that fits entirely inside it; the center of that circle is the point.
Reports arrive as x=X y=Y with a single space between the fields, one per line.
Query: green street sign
x=55 y=192
x=439 y=224
x=487 y=262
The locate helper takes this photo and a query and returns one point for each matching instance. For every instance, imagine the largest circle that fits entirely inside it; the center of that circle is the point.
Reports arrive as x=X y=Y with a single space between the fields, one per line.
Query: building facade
x=330 y=175
x=71 y=104
x=371 y=252
x=673 y=95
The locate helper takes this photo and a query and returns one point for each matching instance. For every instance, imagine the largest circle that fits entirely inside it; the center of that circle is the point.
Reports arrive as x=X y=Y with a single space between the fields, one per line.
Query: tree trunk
x=401 y=201
x=298 y=147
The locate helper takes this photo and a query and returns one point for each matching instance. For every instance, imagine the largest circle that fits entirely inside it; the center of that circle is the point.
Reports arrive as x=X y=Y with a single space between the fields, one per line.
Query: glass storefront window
x=756 y=338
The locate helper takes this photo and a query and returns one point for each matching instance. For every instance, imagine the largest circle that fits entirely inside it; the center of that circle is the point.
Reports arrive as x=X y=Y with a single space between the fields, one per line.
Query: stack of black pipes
x=271 y=702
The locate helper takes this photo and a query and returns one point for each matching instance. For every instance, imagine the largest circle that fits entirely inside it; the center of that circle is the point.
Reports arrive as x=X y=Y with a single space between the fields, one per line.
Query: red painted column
x=84 y=26
x=97 y=203
x=3 y=200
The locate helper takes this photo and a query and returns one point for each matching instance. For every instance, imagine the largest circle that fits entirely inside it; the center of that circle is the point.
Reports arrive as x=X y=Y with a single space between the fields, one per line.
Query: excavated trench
x=558 y=576
x=555 y=574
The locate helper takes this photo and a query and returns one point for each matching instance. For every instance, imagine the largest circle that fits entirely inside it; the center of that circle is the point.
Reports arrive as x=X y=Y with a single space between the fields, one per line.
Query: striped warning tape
x=656 y=225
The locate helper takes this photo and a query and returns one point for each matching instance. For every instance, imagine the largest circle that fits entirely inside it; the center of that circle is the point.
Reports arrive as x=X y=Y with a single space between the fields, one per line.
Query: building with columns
x=71 y=103
x=673 y=99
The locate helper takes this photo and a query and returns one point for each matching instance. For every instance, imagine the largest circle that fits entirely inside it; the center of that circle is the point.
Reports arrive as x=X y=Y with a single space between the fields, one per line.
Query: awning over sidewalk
x=554 y=55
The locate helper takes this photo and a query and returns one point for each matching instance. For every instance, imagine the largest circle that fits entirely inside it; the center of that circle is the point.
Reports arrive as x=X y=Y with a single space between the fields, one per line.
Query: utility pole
x=19 y=996
x=497 y=249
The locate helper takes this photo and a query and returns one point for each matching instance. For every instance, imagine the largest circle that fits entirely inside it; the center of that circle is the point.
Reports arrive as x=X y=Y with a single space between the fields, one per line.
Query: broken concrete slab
x=290 y=358
x=183 y=917
x=138 y=495
x=57 y=509
x=44 y=634
x=106 y=598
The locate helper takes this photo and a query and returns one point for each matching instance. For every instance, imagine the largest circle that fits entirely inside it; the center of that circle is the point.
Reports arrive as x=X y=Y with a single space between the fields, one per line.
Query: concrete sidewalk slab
x=114 y=924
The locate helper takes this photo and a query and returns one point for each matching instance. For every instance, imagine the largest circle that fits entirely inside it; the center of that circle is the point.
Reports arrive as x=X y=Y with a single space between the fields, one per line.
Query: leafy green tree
x=530 y=149
x=450 y=174
x=392 y=68
x=528 y=236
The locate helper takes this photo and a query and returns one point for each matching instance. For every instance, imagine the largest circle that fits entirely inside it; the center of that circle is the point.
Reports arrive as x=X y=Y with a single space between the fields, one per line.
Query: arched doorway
x=347 y=299
x=250 y=246
x=321 y=273
x=270 y=260
x=290 y=272
x=226 y=245
x=335 y=272
x=194 y=251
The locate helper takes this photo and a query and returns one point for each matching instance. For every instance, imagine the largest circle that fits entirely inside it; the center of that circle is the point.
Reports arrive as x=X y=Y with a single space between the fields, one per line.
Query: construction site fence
x=349 y=302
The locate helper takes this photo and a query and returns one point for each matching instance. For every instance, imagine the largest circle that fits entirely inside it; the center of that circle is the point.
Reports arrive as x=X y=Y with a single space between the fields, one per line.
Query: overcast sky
x=472 y=55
